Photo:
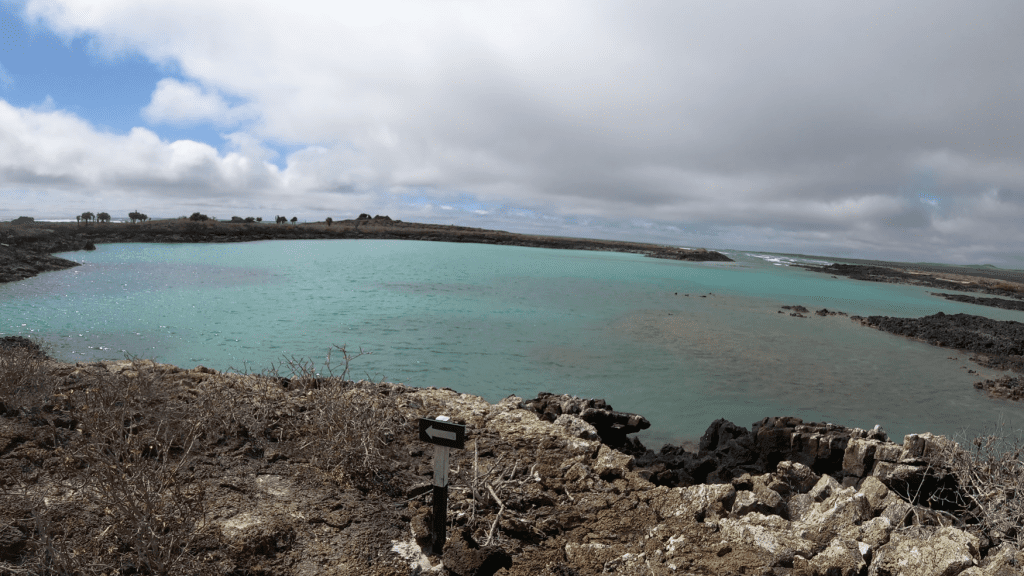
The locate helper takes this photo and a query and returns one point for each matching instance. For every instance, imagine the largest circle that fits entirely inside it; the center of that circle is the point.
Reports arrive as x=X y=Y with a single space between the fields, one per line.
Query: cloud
x=57 y=149
x=799 y=120
x=175 y=102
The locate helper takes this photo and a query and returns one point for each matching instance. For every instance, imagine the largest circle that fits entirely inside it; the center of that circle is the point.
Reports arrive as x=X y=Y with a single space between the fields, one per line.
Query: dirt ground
x=133 y=467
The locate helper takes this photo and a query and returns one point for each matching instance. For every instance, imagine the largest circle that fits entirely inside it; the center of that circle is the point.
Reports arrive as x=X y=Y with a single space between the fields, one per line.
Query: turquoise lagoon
x=498 y=320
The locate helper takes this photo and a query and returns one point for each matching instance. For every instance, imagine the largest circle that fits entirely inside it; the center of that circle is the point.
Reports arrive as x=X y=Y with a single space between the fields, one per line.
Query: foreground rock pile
x=536 y=491
x=784 y=498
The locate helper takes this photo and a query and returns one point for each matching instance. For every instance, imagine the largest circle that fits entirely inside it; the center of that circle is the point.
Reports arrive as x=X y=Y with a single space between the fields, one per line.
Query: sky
x=872 y=129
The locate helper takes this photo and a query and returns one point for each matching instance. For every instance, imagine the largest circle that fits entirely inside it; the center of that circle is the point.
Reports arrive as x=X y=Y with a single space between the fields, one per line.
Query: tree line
x=86 y=217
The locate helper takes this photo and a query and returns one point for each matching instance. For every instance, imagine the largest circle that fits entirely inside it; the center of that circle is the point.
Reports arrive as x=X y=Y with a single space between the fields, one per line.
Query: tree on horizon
x=87 y=216
x=329 y=221
x=137 y=217
x=103 y=217
x=295 y=219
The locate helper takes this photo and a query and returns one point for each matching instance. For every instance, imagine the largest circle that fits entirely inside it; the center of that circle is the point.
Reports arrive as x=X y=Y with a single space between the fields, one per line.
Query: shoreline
x=25 y=249
x=1008 y=285
x=993 y=344
x=538 y=489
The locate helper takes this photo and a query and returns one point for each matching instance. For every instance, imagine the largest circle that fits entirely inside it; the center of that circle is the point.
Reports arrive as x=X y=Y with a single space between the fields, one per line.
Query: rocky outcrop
x=591 y=419
x=19 y=264
x=1008 y=387
x=20 y=343
x=962 y=331
x=1000 y=343
x=697 y=255
x=727 y=451
x=1007 y=283
x=992 y=302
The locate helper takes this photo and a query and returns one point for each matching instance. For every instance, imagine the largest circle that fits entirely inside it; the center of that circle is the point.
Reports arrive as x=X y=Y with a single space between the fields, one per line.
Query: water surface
x=499 y=320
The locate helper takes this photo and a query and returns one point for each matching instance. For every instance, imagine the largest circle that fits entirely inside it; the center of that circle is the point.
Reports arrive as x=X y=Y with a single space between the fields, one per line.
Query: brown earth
x=134 y=467
x=25 y=248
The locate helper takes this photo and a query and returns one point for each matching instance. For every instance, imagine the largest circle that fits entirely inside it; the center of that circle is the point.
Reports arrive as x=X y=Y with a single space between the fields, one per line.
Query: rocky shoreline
x=1008 y=387
x=25 y=248
x=997 y=344
x=541 y=488
x=993 y=302
x=1004 y=283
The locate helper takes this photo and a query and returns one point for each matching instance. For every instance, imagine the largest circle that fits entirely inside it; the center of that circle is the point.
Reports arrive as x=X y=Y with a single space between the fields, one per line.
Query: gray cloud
x=870 y=126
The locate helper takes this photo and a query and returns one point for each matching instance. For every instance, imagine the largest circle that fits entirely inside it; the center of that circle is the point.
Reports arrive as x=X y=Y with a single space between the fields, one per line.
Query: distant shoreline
x=996 y=282
x=26 y=249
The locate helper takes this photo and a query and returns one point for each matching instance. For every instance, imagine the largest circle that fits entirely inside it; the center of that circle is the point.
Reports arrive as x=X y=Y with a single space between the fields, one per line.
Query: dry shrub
x=246 y=409
x=349 y=429
x=990 y=475
x=139 y=439
x=491 y=487
x=352 y=430
x=25 y=380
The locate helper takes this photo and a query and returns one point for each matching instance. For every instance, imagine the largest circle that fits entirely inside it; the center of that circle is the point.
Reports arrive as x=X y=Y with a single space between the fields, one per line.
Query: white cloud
x=56 y=149
x=175 y=102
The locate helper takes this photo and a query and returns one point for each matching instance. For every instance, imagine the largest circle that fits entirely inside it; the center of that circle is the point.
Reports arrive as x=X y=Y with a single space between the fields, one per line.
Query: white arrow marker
x=435 y=433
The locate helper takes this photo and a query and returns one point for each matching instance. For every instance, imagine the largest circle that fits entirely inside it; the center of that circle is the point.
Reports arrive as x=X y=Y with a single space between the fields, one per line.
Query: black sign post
x=444 y=435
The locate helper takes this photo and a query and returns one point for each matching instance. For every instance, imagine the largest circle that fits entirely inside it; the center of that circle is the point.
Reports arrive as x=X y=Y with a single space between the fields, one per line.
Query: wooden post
x=444 y=435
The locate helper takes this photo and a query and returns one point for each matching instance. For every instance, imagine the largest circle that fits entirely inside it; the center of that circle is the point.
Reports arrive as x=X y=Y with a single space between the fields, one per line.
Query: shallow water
x=498 y=320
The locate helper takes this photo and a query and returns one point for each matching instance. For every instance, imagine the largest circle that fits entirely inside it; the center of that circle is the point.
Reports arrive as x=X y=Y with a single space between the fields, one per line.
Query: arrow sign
x=441 y=433
x=447 y=435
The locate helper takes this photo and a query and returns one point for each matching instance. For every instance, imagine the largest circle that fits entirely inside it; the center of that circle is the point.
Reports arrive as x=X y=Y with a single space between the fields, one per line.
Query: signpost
x=444 y=435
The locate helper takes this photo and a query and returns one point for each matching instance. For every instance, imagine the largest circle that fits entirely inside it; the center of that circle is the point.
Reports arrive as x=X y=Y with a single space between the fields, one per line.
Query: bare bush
x=990 y=476
x=138 y=450
x=25 y=380
x=493 y=487
x=349 y=429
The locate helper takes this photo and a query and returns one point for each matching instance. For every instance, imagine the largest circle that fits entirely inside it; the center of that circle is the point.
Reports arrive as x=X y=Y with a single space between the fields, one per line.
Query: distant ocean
x=681 y=343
